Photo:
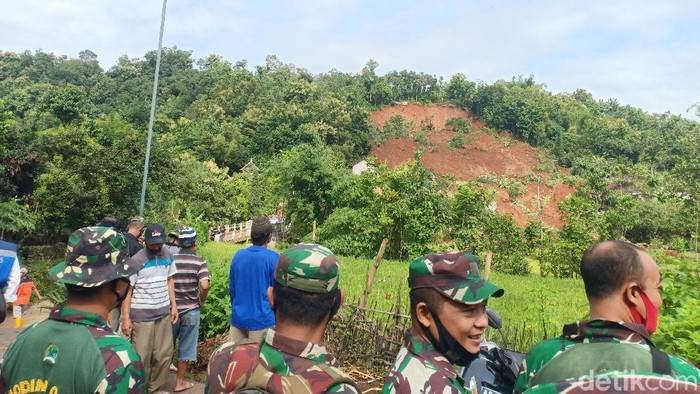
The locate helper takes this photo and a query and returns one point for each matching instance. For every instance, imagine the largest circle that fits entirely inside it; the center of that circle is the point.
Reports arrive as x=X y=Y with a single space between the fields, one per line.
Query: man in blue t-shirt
x=252 y=272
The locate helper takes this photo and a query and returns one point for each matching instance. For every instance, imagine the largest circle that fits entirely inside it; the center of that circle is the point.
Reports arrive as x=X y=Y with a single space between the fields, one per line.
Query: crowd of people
x=134 y=298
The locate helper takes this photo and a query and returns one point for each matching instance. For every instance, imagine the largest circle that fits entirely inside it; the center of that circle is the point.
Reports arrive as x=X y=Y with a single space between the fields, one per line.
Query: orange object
x=24 y=292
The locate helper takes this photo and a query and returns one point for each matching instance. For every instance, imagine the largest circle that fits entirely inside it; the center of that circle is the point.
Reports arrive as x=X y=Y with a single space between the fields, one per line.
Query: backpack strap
x=660 y=361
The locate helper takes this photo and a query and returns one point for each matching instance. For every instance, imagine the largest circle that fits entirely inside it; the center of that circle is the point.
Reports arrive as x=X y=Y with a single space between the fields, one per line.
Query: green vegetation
x=73 y=143
x=679 y=323
x=534 y=301
x=74 y=136
x=536 y=306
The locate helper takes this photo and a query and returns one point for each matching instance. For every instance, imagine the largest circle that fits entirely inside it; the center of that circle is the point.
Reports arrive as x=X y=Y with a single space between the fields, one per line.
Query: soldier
x=74 y=350
x=289 y=358
x=622 y=285
x=448 y=315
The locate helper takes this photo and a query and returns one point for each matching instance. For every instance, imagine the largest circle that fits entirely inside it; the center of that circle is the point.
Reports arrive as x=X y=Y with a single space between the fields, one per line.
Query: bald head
x=607 y=266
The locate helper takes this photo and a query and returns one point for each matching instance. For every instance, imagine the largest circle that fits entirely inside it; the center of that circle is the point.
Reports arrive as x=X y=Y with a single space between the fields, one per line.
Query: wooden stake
x=487 y=265
x=372 y=272
x=398 y=302
x=313 y=233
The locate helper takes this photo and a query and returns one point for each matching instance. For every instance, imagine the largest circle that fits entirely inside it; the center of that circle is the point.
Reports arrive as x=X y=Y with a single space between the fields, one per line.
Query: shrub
x=513 y=187
x=216 y=312
x=679 y=323
x=39 y=272
x=398 y=127
x=456 y=142
x=459 y=125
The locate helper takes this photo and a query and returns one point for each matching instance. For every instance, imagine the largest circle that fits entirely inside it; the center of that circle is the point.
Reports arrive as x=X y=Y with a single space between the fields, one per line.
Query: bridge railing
x=236 y=232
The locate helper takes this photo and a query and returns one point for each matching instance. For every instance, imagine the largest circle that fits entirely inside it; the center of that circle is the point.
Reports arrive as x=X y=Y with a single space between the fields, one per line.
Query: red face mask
x=652 y=320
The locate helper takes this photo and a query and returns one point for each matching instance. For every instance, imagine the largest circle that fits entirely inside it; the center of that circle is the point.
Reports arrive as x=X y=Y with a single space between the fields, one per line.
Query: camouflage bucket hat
x=454 y=274
x=94 y=255
x=308 y=267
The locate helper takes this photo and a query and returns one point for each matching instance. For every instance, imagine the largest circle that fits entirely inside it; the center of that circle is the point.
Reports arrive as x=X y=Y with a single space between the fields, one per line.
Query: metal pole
x=153 y=112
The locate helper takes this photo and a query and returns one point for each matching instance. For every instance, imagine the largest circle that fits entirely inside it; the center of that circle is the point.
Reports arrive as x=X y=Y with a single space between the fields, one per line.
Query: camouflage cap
x=94 y=255
x=454 y=274
x=308 y=267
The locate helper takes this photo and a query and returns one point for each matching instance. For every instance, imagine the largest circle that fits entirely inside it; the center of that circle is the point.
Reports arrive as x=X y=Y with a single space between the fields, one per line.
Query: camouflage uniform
x=594 y=331
x=419 y=367
x=306 y=267
x=44 y=357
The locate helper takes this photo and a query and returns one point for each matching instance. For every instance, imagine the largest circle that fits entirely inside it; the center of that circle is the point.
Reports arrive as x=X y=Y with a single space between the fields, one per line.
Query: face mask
x=652 y=320
x=448 y=345
x=120 y=298
x=336 y=305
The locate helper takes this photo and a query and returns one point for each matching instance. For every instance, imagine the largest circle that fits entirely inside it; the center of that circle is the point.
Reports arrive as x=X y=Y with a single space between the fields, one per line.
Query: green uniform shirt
x=72 y=352
x=278 y=354
x=596 y=331
x=419 y=368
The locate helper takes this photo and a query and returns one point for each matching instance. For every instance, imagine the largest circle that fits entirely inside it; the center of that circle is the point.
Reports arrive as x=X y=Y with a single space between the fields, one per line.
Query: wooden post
x=487 y=265
x=372 y=272
x=397 y=316
x=313 y=233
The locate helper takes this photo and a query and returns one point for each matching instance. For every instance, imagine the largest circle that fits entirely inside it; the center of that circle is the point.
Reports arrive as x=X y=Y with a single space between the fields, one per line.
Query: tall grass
x=531 y=301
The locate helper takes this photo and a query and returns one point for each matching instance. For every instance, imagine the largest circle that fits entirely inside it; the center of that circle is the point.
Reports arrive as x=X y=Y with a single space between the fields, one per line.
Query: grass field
x=532 y=301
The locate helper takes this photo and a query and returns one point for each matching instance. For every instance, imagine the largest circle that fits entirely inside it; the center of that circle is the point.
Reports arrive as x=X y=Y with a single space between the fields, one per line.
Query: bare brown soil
x=482 y=154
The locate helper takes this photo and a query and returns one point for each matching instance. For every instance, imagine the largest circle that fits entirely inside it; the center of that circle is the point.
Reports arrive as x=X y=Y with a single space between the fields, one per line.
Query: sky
x=643 y=53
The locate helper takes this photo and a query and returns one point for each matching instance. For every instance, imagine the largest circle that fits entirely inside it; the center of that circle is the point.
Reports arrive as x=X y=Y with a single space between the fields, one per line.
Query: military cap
x=454 y=274
x=308 y=267
x=188 y=236
x=94 y=255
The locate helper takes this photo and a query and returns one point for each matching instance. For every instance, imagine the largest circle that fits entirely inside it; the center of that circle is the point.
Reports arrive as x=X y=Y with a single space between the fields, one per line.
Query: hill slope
x=496 y=160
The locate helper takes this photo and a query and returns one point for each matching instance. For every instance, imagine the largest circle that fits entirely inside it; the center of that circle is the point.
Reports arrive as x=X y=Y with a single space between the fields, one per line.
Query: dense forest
x=74 y=135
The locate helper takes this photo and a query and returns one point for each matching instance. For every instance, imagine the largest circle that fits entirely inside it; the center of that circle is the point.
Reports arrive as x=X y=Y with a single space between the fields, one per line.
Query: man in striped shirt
x=191 y=288
x=149 y=310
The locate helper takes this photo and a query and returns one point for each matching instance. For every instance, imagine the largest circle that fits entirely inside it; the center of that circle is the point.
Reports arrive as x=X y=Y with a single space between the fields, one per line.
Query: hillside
x=496 y=160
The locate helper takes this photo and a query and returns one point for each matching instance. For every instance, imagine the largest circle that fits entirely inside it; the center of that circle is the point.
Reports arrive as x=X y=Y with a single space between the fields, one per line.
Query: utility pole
x=153 y=112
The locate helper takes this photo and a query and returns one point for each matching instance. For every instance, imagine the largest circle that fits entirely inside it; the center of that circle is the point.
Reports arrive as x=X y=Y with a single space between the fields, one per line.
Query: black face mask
x=120 y=298
x=448 y=345
x=335 y=307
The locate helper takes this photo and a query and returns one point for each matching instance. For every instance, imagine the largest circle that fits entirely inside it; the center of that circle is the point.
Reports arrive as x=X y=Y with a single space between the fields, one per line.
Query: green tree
x=307 y=176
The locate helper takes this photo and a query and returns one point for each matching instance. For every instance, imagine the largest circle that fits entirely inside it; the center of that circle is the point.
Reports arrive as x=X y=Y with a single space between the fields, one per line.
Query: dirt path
x=39 y=312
